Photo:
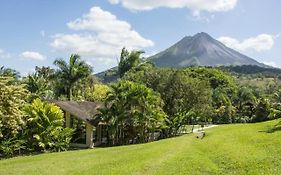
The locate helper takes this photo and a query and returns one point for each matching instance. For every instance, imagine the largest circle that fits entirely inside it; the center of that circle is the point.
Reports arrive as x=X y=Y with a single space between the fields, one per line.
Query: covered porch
x=85 y=113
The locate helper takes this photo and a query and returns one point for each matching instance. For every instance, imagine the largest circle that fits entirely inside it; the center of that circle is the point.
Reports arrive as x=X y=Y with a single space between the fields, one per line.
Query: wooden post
x=100 y=133
x=89 y=135
x=67 y=119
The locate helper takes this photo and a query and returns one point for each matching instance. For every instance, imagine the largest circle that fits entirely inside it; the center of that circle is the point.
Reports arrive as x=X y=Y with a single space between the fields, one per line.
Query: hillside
x=252 y=70
x=227 y=149
x=201 y=50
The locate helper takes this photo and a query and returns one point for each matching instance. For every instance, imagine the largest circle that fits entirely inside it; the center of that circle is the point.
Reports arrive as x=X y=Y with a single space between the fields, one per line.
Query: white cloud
x=195 y=5
x=259 y=43
x=4 y=55
x=101 y=35
x=29 y=55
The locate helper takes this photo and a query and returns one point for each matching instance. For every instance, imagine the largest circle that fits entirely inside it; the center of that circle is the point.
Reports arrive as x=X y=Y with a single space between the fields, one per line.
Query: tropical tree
x=132 y=111
x=128 y=60
x=245 y=102
x=70 y=73
x=45 y=72
x=215 y=77
x=262 y=110
x=39 y=87
x=181 y=93
x=224 y=109
x=183 y=96
x=275 y=111
x=9 y=72
x=277 y=96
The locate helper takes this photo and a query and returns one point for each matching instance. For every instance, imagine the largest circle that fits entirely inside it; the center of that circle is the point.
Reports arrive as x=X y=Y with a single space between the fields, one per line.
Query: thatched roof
x=83 y=110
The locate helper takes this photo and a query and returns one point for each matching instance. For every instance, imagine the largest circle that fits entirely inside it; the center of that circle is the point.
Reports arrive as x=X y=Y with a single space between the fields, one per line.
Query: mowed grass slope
x=227 y=149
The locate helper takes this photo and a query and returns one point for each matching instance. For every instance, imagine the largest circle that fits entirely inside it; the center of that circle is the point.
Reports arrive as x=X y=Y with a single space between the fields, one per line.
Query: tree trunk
x=70 y=94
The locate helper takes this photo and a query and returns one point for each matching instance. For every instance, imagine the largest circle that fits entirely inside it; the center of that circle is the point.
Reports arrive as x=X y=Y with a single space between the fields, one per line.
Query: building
x=87 y=112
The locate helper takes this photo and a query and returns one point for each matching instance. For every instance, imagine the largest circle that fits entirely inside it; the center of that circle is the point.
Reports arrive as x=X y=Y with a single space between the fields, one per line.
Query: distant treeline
x=252 y=69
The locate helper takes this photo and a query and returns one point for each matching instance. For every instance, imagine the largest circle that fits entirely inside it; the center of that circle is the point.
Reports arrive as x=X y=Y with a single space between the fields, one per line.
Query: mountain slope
x=202 y=50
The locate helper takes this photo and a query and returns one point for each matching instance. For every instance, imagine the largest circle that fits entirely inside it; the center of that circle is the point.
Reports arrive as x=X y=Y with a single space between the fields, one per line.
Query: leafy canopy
x=132 y=111
x=12 y=97
x=45 y=130
x=128 y=60
x=70 y=73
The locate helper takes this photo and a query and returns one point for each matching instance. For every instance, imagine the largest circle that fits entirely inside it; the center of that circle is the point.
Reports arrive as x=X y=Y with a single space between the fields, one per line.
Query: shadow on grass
x=272 y=129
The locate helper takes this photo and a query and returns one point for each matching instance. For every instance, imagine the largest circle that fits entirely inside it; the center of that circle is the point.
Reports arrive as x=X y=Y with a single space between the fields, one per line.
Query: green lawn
x=228 y=149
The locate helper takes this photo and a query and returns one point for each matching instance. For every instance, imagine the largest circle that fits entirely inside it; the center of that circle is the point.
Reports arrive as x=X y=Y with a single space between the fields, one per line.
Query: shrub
x=262 y=111
x=44 y=129
x=12 y=98
x=11 y=146
x=12 y=120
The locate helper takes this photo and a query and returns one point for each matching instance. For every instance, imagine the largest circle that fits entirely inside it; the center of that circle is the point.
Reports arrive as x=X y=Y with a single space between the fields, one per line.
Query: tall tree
x=128 y=60
x=45 y=72
x=9 y=72
x=71 y=72
x=132 y=111
x=40 y=83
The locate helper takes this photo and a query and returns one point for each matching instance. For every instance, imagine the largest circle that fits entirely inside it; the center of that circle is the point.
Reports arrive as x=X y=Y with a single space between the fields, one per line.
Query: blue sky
x=36 y=32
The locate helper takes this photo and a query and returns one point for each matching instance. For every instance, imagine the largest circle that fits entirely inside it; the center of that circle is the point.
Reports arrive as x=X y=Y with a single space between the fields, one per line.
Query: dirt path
x=195 y=130
x=206 y=127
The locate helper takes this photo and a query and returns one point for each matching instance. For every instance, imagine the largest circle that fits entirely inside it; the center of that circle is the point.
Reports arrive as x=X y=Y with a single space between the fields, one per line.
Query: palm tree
x=72 y=72
x=132 y=111
x=128 y=60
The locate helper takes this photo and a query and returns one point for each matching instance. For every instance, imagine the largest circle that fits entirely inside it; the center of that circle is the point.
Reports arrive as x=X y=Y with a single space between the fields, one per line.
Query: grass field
x=227 y=149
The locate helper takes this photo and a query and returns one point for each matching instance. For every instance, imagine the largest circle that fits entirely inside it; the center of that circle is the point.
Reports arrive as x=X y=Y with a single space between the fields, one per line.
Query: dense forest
x=143 y=100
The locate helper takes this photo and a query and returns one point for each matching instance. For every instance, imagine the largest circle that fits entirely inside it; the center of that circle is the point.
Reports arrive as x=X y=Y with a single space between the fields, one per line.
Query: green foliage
x=44 y=128
x=216 y=77
x=132 y=111
x=11 y=146
x=39 y=86
x=277 y=96
x=45 y=72
x=252 y=70
x=128 y=60
x=12 y=120
x=147 y=74
x=238 y=149
x=70 y=73
x=188 y=90
x=245 y=102
x=12 y=97
x=97 y=93
x=8 y=72
x=275 y=113
x=83 y=88
x=182 y=94
x=262 y=111
x=261 y=85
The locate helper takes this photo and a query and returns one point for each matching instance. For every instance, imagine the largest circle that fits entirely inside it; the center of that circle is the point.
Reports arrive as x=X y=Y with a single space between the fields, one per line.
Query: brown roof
x=83 y=110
